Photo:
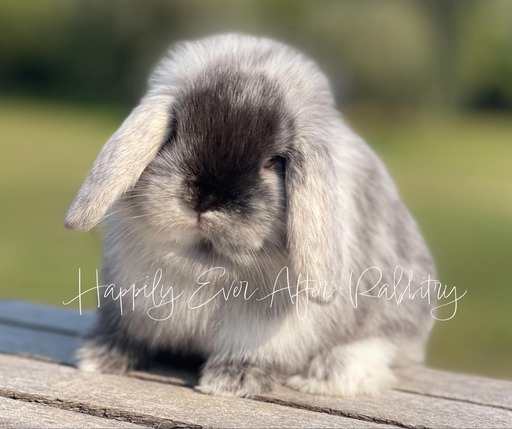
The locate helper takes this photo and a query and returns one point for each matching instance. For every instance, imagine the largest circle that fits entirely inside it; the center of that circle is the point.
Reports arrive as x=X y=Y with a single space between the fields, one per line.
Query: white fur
x=349 y=370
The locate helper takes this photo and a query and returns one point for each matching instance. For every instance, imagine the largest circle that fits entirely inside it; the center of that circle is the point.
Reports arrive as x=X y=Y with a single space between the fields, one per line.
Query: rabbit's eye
x=273 y=162
x=269 y=163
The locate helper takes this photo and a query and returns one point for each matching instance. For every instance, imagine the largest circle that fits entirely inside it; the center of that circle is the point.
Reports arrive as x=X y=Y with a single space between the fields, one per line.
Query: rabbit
x=274 y=230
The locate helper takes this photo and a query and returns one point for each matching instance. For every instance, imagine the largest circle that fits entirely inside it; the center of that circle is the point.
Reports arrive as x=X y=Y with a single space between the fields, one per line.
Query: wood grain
x=15 y=414
x=401 y=409
x=149 y=403
x=443 y=384
x=422 y=398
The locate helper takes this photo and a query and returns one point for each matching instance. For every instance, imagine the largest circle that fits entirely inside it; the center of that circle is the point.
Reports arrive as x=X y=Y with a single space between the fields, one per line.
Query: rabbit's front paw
x=236 y=379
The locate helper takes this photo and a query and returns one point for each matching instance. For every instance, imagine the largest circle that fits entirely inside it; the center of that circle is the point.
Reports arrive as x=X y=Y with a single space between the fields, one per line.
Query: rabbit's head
x=232 y=158
x=218 y=181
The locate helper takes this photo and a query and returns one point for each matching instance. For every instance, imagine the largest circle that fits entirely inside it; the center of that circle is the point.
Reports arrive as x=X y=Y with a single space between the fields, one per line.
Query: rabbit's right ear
x=314 y=216
x=121 y=161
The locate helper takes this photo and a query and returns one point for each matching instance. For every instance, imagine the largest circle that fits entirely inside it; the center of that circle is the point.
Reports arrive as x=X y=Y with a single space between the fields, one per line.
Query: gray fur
x=198 y=149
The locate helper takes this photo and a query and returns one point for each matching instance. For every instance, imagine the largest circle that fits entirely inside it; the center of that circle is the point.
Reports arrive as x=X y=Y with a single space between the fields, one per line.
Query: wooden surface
x=39 y=387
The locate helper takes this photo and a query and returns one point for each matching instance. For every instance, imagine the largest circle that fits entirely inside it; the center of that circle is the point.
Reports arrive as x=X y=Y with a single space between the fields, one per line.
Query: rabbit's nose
x=206 y=202
x=210 y=193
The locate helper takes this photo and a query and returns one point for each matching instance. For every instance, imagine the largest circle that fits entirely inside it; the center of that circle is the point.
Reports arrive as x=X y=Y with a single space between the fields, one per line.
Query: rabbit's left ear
x=121 y=161
x=313 y=220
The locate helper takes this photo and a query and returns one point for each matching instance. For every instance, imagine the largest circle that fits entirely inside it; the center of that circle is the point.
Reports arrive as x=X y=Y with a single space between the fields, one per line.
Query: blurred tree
x=447 y=52
x=445 y=19
x=484 y=67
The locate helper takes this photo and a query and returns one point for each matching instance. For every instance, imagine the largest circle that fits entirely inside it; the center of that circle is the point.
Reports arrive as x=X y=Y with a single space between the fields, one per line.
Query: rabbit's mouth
x=205 y=247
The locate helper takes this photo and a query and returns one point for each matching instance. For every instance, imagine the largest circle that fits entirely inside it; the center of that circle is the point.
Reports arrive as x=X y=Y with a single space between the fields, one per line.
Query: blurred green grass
x=453 y=171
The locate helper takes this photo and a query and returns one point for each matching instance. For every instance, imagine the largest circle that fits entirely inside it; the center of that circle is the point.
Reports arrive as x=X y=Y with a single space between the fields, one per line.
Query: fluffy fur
x=237 y=158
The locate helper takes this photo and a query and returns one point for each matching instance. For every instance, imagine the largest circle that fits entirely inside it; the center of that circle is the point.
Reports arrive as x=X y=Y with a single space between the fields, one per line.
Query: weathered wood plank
x=406 y=410
x=18 y=414
x=149 y=403
x=443 y=384
x=48 y=345
x=421 y=381
x=43 y=317
x=402 y=410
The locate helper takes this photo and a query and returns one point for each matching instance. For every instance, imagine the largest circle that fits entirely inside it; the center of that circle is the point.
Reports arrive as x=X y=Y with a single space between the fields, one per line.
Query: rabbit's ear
x=313 y=224
x=121 y=161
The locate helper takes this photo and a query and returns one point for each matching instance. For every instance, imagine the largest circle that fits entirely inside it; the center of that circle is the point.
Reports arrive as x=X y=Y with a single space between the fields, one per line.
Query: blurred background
x=427 y=83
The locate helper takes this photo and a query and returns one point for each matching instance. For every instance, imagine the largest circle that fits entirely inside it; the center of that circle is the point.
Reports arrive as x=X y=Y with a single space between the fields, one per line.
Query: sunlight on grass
x=454 y=173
